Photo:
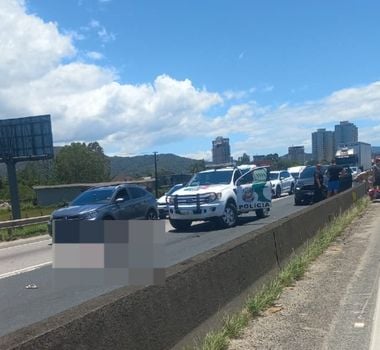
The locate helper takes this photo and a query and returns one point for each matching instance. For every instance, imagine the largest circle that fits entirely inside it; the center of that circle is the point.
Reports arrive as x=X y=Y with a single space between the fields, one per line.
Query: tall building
x=323 y=145
x=345 y=133
x=296 y=154
x=221 y=152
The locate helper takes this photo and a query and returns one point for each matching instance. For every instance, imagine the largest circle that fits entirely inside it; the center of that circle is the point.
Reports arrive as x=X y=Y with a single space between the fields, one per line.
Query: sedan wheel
x=152 y=215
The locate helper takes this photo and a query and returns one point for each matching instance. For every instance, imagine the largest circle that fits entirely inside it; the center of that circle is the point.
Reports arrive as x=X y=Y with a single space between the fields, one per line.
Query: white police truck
x=220 y=195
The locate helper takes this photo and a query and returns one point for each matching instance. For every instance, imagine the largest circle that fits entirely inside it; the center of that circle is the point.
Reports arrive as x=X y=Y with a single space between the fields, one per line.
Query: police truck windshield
x=212 y=178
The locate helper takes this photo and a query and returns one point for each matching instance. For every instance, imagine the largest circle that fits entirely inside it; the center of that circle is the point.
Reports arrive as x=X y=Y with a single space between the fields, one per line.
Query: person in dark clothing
x=333 y=171
x=318 y=183
x=376 y=172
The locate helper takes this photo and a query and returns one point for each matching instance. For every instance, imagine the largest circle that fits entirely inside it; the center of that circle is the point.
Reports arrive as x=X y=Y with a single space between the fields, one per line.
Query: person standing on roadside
x=318 y=183
x=333 y=172
x=376 y=172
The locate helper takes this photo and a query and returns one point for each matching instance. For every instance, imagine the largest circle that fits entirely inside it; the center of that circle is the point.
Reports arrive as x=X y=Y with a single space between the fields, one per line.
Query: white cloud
x=206 y=155
x=94 y=55
x=104 y=35
x=234 y=95
x=88 y=103
x=29 y=47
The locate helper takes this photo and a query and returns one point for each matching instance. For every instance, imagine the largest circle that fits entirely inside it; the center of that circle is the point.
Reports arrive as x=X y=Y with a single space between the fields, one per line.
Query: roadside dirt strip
x=333 y=306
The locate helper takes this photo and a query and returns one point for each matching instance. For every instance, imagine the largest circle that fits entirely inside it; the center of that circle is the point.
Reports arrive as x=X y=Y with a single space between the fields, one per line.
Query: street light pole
x=155 y=174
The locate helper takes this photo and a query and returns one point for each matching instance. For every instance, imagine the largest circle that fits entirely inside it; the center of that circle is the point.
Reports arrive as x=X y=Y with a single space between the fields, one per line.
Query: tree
x=37 y=173
x=82 y=163
x=198 y=166
x=244 y=159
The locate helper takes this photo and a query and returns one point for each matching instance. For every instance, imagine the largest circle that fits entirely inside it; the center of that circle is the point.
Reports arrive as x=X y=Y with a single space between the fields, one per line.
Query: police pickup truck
x=220 y=195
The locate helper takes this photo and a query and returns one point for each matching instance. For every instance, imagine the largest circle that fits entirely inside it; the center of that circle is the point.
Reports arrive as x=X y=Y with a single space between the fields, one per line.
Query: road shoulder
x=333 y=305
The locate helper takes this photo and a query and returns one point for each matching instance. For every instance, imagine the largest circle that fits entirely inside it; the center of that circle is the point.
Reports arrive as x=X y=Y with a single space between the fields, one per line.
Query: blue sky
x=169 y=76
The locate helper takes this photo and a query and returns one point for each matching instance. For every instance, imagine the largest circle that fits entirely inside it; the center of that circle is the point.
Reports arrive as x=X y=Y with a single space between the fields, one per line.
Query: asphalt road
x=30 y=265
x=336 y=305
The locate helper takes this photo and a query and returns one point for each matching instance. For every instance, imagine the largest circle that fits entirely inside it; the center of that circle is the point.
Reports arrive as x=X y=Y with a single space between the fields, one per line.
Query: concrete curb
x=22 y=241
x=158 y=317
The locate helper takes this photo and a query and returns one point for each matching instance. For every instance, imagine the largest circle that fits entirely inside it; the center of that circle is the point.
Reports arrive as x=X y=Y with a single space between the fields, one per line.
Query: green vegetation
x=23 y=232
x=28 y=210
x=82 y=163
x=234 y=325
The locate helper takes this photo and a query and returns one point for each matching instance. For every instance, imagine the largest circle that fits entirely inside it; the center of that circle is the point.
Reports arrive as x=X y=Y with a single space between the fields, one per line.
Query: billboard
x=28 y=138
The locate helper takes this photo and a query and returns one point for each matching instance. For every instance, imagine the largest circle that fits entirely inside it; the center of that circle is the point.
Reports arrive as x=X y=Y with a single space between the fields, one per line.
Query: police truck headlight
x=214 y=196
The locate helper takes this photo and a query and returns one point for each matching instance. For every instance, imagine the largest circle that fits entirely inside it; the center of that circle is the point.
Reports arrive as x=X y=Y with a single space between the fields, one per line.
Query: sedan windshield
x=307 y=173
x=211 y=178
x=273 y=176
x=295 y=175
x=99 y=196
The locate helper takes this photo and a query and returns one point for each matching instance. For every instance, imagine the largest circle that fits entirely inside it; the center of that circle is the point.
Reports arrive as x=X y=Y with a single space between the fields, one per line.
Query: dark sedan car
x=117 y=202
x=304 y=189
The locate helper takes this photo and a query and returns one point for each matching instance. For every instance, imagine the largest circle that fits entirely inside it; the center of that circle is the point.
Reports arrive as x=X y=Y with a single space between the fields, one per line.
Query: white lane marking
x=359 y=325
x=23 y=244
x=375 y=338
x=25 y=269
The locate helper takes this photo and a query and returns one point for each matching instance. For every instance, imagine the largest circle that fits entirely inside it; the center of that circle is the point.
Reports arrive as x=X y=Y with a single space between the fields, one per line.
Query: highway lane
x=20 y=306
x=21 y=257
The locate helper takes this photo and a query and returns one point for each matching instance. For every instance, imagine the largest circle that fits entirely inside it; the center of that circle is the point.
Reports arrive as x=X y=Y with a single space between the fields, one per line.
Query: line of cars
x=127 y=201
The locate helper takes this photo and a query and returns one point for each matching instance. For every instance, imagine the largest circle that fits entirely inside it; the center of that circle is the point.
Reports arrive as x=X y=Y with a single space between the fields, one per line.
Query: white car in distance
x=282 y=182
x=162 y=205
x=295 y=171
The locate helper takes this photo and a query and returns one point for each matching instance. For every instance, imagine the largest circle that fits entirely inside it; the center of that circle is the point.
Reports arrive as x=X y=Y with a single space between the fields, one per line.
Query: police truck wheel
x=229 y=217
x=262 y=213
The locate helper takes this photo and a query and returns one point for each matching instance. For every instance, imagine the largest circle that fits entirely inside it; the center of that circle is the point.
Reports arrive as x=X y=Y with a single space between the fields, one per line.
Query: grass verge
x=23 y=232
x=233 y=325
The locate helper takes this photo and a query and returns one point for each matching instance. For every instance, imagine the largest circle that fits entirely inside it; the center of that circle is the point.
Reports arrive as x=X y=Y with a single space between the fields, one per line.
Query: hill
x=144 y=165
x=138 y=166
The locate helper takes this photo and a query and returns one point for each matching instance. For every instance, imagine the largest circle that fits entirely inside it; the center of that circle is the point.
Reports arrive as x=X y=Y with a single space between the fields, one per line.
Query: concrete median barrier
x=158 y=317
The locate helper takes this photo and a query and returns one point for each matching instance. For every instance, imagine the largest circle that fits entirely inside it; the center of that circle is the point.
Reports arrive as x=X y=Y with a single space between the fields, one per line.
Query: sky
x=169 y=76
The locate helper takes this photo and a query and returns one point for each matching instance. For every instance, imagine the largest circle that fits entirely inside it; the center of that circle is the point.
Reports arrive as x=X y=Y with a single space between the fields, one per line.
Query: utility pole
x=155 y=174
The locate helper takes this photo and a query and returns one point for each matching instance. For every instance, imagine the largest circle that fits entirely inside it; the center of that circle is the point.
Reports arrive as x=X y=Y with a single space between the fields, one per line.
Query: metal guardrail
x=24 y=222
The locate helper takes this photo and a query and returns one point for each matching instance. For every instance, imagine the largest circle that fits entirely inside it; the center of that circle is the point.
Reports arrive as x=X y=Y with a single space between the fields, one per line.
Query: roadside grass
x=233 y=325
x=27 y=211
x=23 y=232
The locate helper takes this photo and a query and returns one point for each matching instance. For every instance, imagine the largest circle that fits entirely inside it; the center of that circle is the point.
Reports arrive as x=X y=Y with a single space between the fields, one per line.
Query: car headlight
x=170 y=200
x=89 y=215
x=214 y=196
x=298 y=188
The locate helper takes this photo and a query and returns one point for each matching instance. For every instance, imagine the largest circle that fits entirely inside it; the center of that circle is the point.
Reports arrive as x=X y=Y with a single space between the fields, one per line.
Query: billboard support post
x=24 y=139
x=13 y=189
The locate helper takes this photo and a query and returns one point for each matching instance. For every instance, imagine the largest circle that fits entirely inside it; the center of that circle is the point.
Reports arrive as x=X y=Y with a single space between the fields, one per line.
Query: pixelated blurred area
x=109 y=253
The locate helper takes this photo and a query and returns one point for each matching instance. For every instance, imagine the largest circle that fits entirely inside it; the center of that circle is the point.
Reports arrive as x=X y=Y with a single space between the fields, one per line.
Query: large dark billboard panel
x=28 y=138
